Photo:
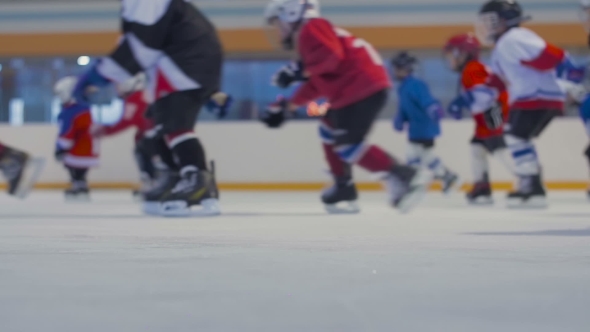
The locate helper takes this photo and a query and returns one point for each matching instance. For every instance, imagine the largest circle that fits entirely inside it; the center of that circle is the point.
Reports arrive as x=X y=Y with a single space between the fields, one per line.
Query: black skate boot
x=480 y=194
x=449 y=181
x=530 y=194
x=407 y=186
x=341 y=197
x=21 y=171
x=161 y=188
x=195 y=188
x=78 y=192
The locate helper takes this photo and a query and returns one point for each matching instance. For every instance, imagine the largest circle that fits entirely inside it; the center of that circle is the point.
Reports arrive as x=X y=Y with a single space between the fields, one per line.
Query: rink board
x=251 y=157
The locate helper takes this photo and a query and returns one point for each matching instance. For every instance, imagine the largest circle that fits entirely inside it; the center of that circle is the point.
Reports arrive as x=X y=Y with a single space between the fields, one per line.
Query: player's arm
x=305 y=94
x=145 y=27
x=400 y=119
x=422 y=96
x=321 y=49
x=534 y=52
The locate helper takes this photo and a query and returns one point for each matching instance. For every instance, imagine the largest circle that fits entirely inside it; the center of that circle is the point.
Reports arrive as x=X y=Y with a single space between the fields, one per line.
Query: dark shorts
x=529 y=124
x=426 y=143
x=178 y=111
x=491 y=144
x=352 y=124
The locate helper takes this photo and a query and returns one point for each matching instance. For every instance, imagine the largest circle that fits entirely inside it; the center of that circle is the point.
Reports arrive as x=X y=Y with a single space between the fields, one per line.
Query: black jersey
x=172 y=41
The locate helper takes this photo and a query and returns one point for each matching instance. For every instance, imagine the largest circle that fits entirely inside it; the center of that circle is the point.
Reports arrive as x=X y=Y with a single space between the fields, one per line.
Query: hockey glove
x=92 y=78
x=60 y=154
x=493 y=117
x=289 y=75
x=275 y=114
x=456 y=107
x=219 y=104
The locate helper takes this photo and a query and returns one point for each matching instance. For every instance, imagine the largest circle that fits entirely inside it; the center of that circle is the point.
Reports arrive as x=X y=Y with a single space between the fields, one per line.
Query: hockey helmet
x=404 y=60
x=497 y=16
x=284 y=17
x=461 y=48
x=64 y=89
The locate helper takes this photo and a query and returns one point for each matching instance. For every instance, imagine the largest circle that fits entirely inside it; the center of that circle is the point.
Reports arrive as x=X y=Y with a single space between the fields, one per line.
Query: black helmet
x=508 y=11
x=404 y=60
x=495 y=17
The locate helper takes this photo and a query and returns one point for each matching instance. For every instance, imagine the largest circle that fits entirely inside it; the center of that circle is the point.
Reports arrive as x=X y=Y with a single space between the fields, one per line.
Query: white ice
x=277 y=262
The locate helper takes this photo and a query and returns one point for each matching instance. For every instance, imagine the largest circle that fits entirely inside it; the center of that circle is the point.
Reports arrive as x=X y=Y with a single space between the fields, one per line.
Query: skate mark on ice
x=69 y=216
x=274 y=214
x=551 y=232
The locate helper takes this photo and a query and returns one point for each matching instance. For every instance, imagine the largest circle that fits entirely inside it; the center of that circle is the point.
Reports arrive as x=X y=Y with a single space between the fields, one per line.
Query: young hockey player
x=75 y=148
x=178 y=48
x=422 y=113
x=487 y=104
x=20 y=170
x=134 y=115
x=350 y=73
x=526 y=63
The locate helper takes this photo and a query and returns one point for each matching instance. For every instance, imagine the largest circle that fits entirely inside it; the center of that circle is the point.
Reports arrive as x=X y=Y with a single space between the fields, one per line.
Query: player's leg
x=78 y=190
x=427 y=157
x=20 y=170
x=144 y=158
x=343 y=190
x=351 y=124
x=481 y=193
x=177 y=114
x=524 y=125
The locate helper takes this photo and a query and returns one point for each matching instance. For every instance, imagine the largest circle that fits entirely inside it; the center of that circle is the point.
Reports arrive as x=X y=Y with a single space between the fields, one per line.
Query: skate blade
x=350 y=207
x=535 y=202
x=31 y=173
x=151 y=208
x=207 y=208
x=78 y=198
x=481 y=201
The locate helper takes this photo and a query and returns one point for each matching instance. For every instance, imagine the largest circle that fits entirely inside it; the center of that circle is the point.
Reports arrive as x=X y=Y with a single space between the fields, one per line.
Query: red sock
x=376 y=160
x=337 y=166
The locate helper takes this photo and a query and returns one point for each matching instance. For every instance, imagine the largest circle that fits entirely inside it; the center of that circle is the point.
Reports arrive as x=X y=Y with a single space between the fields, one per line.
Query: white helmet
x=290 y=14
x=134 y=84
x=577 y=92
x=64 y=89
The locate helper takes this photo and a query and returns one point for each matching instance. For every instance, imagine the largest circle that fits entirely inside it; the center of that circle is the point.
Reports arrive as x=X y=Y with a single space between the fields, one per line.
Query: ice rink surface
x=277 y=262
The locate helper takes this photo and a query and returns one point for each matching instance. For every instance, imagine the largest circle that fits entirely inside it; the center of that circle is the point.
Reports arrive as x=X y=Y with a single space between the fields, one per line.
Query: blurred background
x=43 y=40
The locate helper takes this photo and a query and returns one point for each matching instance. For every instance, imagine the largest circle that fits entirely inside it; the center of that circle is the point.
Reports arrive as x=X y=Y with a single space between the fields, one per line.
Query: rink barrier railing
x=248 y=40
x=312 y=186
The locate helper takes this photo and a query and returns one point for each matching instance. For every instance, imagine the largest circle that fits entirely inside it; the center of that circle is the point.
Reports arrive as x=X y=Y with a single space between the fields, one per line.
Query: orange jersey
x=75 y=121
x=476 y=82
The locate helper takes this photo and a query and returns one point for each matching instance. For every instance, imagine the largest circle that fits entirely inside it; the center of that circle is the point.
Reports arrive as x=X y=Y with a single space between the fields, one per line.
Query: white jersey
x=527 y=64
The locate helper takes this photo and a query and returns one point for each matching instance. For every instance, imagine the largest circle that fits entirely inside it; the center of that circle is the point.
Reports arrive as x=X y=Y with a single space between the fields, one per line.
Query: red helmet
x=464 y=43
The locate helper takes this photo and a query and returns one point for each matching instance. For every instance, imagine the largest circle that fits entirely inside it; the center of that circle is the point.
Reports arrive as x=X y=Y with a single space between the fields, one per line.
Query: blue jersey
x=419 y=109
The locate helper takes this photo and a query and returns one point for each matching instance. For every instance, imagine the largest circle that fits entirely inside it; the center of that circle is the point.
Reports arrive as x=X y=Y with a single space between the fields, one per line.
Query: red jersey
x=475 y=81
x=133 y=116
x=75 y=121
x=342 y=68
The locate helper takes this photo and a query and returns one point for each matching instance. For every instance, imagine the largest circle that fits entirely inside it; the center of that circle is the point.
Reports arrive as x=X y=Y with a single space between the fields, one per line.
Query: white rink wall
x=247 y=152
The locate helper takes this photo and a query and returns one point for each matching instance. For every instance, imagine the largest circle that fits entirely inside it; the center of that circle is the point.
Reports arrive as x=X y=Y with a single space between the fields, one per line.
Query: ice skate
x=530 y=194
x=480 y=194
x=450 y=181
x=195 y=188
x=21 y=172
x=341 y=198
x=407 y=187
x=161 y=188
x=77 y=195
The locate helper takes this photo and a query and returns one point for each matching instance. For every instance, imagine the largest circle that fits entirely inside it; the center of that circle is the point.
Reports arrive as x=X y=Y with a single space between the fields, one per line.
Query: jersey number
x=361 y=43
